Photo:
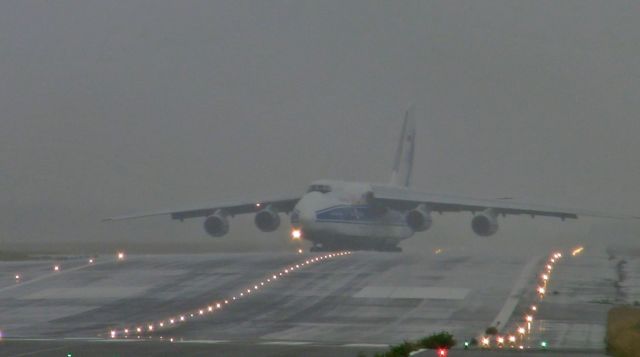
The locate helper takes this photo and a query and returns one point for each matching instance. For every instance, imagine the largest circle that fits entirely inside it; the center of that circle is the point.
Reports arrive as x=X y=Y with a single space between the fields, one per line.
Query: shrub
x=491 y=330
x=438 y=340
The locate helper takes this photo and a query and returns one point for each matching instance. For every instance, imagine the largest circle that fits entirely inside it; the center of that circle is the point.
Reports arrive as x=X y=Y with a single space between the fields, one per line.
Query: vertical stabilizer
x=403 y=164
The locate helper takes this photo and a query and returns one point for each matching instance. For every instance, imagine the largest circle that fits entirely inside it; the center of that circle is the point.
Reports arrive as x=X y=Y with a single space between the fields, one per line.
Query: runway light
x=485 y=341
x=500 y=340
x=113 y=334
x=521 y=330
x=17 y=276
x=543 y=344
x=541 y=290
x=182 y=318
x=577 y=251
x=545 y=277
x=442 y=352
x=549 y=267
x=56 y=268
x=529 y=318
x=299 y=251
x=120 y=255
x=534 y=308
x=296 y=234
x=466 y=345
x=512 y=339
x=90 y=260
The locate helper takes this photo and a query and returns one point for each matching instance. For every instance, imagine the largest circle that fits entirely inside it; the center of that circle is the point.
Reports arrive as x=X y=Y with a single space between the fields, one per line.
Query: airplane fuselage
x=338 y=215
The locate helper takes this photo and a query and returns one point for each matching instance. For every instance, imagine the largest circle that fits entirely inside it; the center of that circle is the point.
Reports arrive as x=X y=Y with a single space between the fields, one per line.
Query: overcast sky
x=109 y=107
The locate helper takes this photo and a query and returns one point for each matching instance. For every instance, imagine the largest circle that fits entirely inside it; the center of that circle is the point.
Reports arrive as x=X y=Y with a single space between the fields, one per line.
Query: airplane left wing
x=406 y=198
x=285 y=204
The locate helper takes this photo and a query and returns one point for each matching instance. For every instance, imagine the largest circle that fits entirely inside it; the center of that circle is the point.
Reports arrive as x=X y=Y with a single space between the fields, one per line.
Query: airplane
x=339 y=215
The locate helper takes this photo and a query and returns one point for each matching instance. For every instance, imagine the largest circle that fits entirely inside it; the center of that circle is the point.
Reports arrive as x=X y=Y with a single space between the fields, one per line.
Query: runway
x=360 y=302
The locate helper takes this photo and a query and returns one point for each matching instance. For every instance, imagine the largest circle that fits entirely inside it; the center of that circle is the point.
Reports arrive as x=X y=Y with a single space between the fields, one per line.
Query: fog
x=112 y=107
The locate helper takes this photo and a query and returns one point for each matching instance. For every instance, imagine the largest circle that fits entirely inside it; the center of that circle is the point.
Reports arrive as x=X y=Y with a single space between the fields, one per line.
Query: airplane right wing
x=406 y=198
x=284 y=204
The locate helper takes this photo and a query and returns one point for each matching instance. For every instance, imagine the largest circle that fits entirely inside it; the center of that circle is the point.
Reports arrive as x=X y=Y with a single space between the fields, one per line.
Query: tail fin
x=403 y=165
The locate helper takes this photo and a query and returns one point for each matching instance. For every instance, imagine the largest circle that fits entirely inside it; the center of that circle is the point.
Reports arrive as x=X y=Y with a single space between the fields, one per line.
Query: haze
x=114 y=107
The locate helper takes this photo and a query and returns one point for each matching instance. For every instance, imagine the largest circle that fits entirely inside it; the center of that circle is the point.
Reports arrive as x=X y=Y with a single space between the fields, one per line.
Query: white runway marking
x=364 y=345
x=413 y=292
x=204 y=341
x=286 y=343
x=500 y=321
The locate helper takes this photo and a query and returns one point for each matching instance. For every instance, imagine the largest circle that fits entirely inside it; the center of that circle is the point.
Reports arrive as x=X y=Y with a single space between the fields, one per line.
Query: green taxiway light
x=466 y=345
x=543 y=344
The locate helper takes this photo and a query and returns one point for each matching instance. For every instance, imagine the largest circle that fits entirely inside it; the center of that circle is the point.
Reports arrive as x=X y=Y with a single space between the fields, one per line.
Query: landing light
x=296 y=234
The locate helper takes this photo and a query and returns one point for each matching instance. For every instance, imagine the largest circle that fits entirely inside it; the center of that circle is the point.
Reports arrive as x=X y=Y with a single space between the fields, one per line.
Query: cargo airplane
x=336 y=215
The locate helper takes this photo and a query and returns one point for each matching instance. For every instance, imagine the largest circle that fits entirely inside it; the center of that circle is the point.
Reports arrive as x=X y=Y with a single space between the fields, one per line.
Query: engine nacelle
x=419 y=219
x=485 y=224
x=267 y=220
x=216 y=225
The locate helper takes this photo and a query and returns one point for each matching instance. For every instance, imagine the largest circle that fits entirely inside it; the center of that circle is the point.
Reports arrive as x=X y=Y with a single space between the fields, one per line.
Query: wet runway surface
x=359 y=302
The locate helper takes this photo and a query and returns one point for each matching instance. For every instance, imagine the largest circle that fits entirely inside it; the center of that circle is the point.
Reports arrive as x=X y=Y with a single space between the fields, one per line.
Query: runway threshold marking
x=500 y=321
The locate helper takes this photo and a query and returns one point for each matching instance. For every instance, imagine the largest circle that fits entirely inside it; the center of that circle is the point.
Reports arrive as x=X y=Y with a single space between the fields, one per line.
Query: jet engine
x=485 y=224
x=419 y=219
x=267 y=220
x=216 y=225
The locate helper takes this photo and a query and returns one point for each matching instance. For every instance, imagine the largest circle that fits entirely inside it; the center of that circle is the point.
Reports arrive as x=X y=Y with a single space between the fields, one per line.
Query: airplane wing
x=406 y=198
x=285 y=204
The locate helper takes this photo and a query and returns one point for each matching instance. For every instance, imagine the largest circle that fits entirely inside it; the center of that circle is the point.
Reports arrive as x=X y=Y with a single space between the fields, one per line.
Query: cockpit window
x=319 y=188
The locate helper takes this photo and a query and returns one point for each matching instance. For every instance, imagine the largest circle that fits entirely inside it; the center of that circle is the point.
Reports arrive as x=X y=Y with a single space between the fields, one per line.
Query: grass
x=623 y=331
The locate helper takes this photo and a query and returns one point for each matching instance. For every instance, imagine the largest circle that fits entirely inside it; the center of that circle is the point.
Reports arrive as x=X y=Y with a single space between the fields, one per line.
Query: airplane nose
x=302 y=214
